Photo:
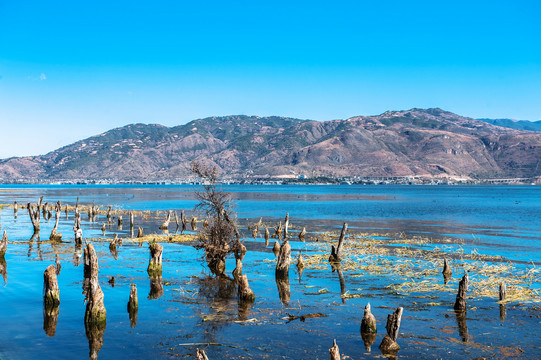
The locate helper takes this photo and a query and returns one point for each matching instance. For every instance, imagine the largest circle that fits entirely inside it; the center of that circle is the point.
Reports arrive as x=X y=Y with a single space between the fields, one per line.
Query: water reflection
x=283 y=290
x=462 y=326
x=35 y=236
x=338 y=269
x=503 y=312
x=369 y=339
x=50 y=319
x=94 y=334
x=156 y=286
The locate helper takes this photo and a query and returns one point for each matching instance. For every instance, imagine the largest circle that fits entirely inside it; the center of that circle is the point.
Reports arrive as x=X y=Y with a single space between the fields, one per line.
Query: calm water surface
x=195 y=309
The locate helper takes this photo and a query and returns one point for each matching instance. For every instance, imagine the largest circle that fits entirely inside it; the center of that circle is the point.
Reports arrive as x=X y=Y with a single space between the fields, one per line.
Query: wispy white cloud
x=42 y=77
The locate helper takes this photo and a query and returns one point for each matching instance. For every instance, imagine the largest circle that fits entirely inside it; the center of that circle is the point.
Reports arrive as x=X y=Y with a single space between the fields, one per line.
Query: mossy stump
x=155 y=262
x=368 y=323
x=245 y=293
x=51 y=296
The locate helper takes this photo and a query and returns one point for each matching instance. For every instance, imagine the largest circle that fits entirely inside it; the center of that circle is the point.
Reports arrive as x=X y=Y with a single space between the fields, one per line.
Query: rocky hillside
x=516 y=124
x=422 y=142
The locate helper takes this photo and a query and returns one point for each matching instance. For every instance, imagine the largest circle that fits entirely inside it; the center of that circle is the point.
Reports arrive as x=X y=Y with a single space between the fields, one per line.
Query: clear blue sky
x=72 y=69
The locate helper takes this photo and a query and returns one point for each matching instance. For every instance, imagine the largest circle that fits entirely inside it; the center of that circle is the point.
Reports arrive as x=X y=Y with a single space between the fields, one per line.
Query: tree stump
x=240 y=250
x=279 y=231
x=282 y=266
x=140 y=232
x=368 y=324
x=155 y=262
x=503 y=290
x=55 y=236
x=336 y=252
x=3 y=244
x=276 y=248
x=133 y=305
x=78 y=232
x=388 y=344
x=51 y=296
x=165 y=224
x=460 y=303
x=200 y=354
x=267 y=237
x=112 y=247
x=300 y=262
x=334 y=351
x=245 y=293
x=131 y=220
x=286 y=226
x=35 y=214
x=108 y=214
x=237 y=272
x=103 y=229
x=95 y=309
x=302 y=234
x=194 y=224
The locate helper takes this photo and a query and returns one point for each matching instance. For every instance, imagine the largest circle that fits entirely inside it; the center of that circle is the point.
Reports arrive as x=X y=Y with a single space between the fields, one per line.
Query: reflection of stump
x=300 y=262
x=94 y=334
x=460 y=303
x=245 y=293
x=283 y=290
x=388 y=344
x=155 y=263
x=462 y=326
x=133 y=305
x=57 y=265
x=503 y=312
x=368 y=324
x=369 y=340
x=156 y=287
x=334 y=351
x=50 y=319
x=194 y=224
x=3 y=244
x=51 y=296
x=503 y=291
x=95 y=309
x=112 y=247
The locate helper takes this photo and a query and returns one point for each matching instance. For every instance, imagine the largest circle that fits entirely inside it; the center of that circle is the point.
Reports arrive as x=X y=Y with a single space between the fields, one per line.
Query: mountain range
x=416 y=142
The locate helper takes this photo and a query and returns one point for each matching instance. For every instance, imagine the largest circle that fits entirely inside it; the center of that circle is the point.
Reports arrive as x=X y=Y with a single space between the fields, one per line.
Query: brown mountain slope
x=422 y=142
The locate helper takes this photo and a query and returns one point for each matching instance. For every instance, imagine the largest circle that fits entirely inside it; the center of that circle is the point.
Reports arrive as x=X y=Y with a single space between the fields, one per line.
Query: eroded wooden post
x=460 y=303
x=78 y=232
x=302 y=234
x=112 y=247
x=286 y=226
x=282 y=265
x=334 y=351
x=368 y=324
x=140 y=232
x=194 y=224
x=502 y=293
x=267 y=237
x=245 y=293
x=3 y=244
x=276 y=248
x=95 y=315
x=165 y=224
x=119 y=221
x=155 y=262
x=447 y=272
x=55 y=236
x=35 y=214
x=131 y=220
x=133 y=305
x=389 y=344
x=51 y=296
x=200 y=354
x=336 y=252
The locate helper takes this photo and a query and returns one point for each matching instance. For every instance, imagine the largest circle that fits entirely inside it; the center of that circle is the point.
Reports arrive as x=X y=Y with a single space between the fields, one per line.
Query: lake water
x=196 y=310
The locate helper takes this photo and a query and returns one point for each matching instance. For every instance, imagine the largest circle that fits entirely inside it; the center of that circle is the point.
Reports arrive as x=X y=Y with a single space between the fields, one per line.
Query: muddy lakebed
x=398 y=237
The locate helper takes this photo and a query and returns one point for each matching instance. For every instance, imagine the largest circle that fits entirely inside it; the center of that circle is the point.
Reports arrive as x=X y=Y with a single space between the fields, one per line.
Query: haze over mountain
x=515 y=124
x=416 y=142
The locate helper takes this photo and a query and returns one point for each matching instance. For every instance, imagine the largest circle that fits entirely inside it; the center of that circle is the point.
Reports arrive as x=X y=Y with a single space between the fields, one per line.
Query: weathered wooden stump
x=460 y=303
x=368 y=324
x=133 y=305
x=502 y=293
x=55 y=236
x=245 y=293
x=155 y=262
x=388 y=344
x=103 y=228
x=276 y=248
x=240 y=250
x=78 y=232
x=286 y=226
x=194 y=224
x=3 y=244
x=237 y=272
x=279 y=231
x=336 y=252
x=447 y=272
x=131 y=220
x=267 y=237
x=140 y=232
x=300 y=262
x=200 y=354
x=113 y=247
x=35 y=214
x=119 y=221
x=334 y=351
x=165 y=224
x=284 y=257
x=51 y=296
x=108 y=214
x=302 y=234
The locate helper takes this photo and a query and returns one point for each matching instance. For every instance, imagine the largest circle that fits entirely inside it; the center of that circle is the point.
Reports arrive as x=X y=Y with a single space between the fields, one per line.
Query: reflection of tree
x=156 y=286
x=94 y=334
x=503 y=312
x=50 y=319
x=462 y=326
x=369 y=339
x=283 y=290
x=336 y=267
x=35 y=236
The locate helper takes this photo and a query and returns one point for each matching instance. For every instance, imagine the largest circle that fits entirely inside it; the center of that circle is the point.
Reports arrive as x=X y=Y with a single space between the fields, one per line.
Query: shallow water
x=195 y=309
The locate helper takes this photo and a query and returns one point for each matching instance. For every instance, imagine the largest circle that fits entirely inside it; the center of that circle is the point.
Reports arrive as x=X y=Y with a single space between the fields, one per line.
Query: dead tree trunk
x=279 y=231
x=131 y=220
x=15 y=208
x=335 y=253
x=388 y=344
x=176 y=222
x=133 y=305
x=368 y=324
x=447 y=272
x=155 y=262
x=334 y=351
x=51 y=292
x=276 y=248
x=237 y=272
x=95 y=309
x=3 y=244
x=35 y=214
x=44 y=210
x=54 y=235
x=286 y=226
x=165 y=225
x=183 y=220
x=267 y=237
x=112 y=247
x=245 y=293
x=108 y=214
x=282 y=266
x=302 y=234
x=460 y=303
x=103 y=229
x=200 y=354
x=140 y=232
x=194 y=224
x=503 y=289
x=78 y=232
x=120 y=221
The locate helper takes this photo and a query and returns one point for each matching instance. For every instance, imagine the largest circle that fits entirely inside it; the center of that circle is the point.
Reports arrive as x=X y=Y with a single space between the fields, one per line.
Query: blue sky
x=73 y=69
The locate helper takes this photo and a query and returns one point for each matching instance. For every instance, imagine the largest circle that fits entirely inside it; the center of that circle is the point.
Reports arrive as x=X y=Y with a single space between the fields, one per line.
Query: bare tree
x=219 y=238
